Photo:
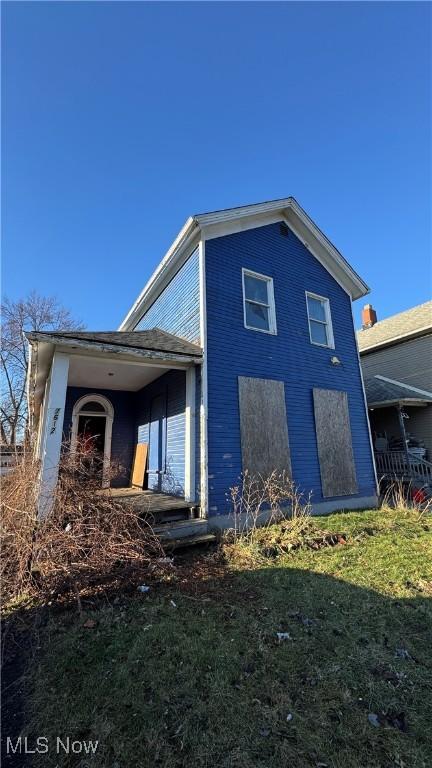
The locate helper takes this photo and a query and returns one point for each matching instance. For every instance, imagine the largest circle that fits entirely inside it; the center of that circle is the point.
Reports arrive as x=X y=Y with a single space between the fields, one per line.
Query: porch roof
x=153 y=340
x=382 y=392
x=95 y=356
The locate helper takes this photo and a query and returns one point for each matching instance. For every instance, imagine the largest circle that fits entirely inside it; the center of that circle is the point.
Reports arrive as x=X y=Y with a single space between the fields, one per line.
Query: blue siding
x=131 y=425
x=122 y=441
x=289 y=356
x=172 y=386
x=177 y=309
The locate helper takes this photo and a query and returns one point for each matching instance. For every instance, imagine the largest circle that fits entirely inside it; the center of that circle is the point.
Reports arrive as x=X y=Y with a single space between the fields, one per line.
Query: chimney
x=369 y=316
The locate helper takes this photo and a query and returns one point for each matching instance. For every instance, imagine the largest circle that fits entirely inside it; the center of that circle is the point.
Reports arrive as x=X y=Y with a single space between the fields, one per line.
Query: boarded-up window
x=263 y=426
x=333 y=431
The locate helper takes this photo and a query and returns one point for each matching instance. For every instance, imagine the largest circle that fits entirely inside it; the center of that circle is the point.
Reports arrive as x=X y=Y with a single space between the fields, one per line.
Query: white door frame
x=108 y=414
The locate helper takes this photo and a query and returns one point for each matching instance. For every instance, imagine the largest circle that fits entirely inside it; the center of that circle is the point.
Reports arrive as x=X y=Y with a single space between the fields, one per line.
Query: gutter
x=412 y=401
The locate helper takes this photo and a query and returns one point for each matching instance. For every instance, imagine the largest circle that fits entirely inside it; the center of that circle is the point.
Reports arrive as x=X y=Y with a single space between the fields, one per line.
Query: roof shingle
x=154 y=339
x=416 y=319
x=380 y=391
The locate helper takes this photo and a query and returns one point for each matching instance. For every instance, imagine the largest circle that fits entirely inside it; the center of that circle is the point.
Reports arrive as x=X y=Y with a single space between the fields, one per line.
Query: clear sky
x=122 y=119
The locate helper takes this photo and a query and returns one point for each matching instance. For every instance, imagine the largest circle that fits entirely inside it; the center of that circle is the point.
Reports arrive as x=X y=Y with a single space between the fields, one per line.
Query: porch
x=156 y=507
x=121 y=392
x=400 y=419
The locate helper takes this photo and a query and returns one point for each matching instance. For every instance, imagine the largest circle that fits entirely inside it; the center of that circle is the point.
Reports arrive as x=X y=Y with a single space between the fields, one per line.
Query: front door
x=157 y=447
x=91 y=436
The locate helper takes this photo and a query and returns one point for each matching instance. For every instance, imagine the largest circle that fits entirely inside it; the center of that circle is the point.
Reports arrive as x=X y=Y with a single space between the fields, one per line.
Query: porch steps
x=162 y=511
x=184 y=532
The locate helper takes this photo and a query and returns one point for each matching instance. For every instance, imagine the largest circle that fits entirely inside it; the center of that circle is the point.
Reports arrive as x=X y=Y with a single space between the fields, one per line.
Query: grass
x=193 y=674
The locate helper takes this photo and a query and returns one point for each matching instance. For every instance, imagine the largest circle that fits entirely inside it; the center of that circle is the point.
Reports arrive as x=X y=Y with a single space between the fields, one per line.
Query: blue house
x=239 y=353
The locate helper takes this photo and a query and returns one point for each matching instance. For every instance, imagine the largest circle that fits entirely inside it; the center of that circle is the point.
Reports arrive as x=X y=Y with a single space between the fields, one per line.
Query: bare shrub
x=259 y=500
x=272 y=518
x=406 y=498
x=87 y=539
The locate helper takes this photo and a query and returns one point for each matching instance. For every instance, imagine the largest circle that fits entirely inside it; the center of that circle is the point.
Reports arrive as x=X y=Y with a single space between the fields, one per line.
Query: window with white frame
x=258 y=302
x=320 y=324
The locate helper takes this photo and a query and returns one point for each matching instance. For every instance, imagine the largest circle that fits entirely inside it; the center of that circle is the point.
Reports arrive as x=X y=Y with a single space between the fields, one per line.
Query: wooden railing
x=398 y=465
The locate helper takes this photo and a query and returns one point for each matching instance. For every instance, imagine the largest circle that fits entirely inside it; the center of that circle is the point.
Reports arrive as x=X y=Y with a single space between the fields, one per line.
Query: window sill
x=260 y=330
x=323 y=346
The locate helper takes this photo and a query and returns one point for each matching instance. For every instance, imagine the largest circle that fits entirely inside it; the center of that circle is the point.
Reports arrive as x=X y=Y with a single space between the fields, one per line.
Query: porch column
x=189 y=487
x=51 y=438
x=403 y=435
x=42 y=420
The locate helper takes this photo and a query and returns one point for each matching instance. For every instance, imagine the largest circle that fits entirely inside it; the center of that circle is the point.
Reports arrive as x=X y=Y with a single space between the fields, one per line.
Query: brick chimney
x=369 y=316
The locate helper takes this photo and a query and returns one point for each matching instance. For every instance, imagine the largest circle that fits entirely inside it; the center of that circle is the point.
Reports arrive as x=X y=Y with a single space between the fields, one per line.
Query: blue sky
x=121 y=119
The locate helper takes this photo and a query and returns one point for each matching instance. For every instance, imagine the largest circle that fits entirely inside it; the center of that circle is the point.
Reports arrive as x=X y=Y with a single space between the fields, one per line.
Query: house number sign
x=55 y=420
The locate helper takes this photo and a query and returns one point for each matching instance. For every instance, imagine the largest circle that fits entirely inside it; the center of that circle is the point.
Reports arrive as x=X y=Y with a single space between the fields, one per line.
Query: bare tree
x=33 y=313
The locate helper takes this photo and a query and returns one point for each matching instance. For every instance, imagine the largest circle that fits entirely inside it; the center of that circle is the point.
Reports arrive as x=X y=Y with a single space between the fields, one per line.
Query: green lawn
x=206 y=682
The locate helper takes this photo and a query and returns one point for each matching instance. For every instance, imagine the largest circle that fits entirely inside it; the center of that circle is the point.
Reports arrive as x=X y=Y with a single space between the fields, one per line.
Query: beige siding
x=419 y=425
x=409 y=362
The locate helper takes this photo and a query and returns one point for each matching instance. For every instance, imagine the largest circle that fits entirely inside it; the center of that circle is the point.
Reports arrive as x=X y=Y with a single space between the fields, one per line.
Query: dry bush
x=406 y=498
x=87 y=539
x=258 y=501
x=270 y=518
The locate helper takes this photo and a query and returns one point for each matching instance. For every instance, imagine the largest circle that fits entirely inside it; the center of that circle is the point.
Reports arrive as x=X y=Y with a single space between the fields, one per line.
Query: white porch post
x=42 y=421
x=51 y=439
x=190 y=414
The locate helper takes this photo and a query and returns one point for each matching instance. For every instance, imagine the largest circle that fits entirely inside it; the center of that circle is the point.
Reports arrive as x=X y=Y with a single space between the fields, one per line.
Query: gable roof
x=409 y=324
x=206 y=226
x=381 y=392
x=154 y=340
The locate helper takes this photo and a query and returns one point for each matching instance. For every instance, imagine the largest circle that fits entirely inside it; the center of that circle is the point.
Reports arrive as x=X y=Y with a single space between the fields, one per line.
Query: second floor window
x=258 y=302
x=320 y=325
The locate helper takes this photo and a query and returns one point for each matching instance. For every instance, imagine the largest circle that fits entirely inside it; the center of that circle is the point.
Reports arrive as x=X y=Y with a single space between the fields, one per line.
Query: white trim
x=212 y=231
x=189 y=486
x=109 y=417
x=320 y=242
x=300 y=235
x=272 y=331
x=328 y=321
x=53 y=433
x=204 y=392
x=242 y=211
x=412 y=402
x=106 y=356
x=365 y=404
x=232 y=220
x=405 y=386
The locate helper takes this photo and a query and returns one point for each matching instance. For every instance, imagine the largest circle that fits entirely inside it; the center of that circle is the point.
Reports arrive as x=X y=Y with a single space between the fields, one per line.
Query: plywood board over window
x=263 y=426
x=335 y=451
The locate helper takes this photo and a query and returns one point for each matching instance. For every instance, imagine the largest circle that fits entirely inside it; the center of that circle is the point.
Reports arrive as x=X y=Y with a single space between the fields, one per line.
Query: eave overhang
x=220 y=223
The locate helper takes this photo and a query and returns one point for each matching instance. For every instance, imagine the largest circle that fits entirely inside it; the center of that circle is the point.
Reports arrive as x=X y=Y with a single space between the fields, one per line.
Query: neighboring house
x=396 y=359
x=9 y=457
x=239 y=354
